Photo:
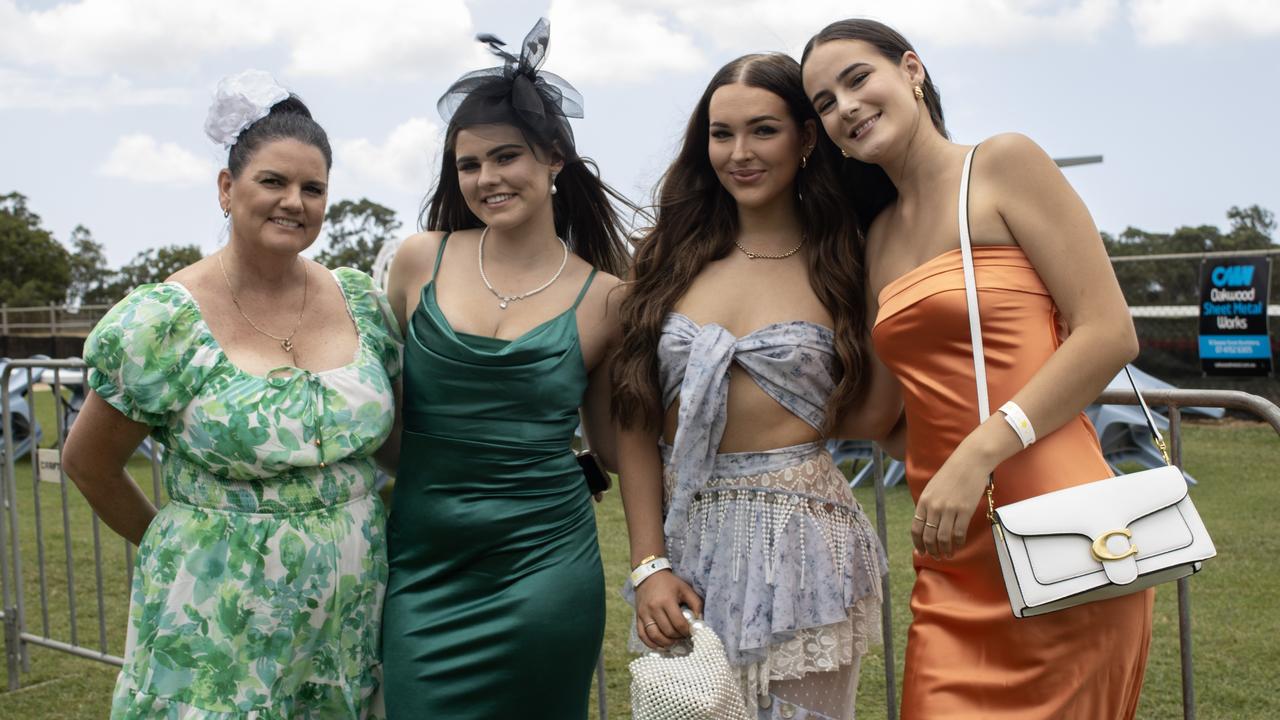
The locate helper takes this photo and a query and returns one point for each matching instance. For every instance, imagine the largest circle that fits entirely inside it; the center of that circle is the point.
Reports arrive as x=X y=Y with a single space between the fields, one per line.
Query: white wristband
x=642 y=573
x=1019 y=422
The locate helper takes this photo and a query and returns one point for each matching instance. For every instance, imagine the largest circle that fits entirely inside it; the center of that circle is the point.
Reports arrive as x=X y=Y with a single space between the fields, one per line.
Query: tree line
x=1176 y=282
x=38 y=270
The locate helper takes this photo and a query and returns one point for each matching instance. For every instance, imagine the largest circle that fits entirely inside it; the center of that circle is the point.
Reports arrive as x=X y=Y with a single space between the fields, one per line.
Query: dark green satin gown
x=495 y=600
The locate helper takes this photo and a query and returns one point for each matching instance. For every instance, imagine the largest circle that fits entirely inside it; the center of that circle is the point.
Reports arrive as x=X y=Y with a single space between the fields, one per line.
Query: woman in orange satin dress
x=1055 y=329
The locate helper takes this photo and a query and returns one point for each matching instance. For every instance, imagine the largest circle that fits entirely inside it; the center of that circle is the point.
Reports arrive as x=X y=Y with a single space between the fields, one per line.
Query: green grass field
x=1236 y=617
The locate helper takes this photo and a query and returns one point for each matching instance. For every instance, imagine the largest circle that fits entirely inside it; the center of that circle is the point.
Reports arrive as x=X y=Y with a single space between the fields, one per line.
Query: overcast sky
x=102 y=102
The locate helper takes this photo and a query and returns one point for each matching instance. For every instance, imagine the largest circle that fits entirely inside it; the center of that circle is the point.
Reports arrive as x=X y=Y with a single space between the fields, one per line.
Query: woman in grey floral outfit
x=270 y=381
x=745 y=347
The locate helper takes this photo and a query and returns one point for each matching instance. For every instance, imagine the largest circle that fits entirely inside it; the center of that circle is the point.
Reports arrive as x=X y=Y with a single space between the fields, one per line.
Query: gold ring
x=935 y=527
x=918 y=518
x=651 y=622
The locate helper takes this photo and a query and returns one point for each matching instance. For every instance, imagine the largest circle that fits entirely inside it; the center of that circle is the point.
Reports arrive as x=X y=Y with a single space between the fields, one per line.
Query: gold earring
x=919 y=93
x=842 y=152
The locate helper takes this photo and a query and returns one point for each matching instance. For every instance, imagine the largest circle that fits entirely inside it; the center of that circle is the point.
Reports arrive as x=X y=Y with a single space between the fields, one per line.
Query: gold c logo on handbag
x=1101 y=552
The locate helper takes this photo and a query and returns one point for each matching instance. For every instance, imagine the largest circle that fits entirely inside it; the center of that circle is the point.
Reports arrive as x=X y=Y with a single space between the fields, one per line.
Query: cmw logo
x=1232 y=275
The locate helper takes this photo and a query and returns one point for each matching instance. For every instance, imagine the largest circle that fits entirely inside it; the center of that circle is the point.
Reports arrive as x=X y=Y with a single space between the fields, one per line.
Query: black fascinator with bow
x=537 y=97
x=538 y=104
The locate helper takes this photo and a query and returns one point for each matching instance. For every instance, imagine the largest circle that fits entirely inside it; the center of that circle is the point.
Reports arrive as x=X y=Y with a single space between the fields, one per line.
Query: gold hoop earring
x=919 y=93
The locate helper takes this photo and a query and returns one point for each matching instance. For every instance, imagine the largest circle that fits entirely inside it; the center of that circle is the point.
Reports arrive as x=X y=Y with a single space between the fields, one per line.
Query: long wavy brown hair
x=696 y=222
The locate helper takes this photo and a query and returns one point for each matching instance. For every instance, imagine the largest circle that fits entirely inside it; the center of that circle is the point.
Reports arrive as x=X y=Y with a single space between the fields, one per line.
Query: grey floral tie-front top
x=784 y=557
x=793 y=362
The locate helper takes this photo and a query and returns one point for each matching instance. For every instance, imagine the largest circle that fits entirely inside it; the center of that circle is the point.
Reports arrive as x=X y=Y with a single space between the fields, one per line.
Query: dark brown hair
x=696 y=222
x=865 y=184
x=583 y=206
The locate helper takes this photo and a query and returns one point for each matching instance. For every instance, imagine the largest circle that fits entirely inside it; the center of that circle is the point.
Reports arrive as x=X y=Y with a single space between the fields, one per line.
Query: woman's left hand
x=948 y=503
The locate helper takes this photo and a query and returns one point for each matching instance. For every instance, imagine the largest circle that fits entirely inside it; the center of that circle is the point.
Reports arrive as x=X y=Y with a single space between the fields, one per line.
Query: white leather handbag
x=1094 y=541
x=692 y=681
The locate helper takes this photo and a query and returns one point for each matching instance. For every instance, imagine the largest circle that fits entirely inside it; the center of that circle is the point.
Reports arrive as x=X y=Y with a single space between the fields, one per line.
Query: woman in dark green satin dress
x=495 y=601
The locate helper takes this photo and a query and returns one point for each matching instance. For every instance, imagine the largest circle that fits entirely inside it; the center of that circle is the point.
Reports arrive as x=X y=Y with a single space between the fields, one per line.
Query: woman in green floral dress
x=270 y=382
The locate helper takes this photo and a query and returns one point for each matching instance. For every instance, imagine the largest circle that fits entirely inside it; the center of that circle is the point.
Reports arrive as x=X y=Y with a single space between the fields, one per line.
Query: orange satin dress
x=967 y=655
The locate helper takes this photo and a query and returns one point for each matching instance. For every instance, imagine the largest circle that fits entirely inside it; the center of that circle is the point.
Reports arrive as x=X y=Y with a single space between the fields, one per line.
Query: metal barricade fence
x=64 y=379
x=1173 y=401
x=18 y=637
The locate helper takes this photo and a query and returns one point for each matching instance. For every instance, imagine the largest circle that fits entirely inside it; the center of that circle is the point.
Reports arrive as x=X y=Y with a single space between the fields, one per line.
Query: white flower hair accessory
x=240 y=101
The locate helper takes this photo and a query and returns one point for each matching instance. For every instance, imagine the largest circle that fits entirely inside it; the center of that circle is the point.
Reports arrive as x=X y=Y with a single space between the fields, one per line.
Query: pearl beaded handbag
x=691 y=681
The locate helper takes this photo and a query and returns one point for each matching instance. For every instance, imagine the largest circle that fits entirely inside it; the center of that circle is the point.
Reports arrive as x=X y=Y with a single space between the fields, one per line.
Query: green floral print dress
x=258 y=588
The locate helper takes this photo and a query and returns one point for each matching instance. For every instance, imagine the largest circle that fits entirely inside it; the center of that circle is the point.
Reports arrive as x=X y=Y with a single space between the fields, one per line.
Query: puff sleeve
x=374 y=319
x=145 y=356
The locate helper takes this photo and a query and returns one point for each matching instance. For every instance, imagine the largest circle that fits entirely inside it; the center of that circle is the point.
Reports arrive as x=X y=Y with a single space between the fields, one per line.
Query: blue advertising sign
x=1233 y=316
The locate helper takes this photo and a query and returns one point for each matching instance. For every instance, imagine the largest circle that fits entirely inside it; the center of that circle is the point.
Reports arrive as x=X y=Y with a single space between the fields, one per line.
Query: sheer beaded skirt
x=789 y=568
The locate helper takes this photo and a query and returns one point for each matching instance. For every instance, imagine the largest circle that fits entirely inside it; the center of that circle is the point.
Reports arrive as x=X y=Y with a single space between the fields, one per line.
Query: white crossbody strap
x=975 y=322
x=971 y=291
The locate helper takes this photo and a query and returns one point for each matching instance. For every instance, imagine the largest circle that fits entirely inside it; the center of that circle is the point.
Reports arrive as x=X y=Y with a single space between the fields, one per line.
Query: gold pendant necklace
x=285 y=342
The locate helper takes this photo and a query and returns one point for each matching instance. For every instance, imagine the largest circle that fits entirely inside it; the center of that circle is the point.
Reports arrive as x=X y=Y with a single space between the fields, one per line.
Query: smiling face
x=754 y=145
x=503 y=181
x=277 y=202
x=866 y=102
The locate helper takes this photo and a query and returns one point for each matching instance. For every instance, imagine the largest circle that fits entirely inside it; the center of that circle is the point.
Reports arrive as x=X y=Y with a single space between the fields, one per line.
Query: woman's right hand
x=659 y=622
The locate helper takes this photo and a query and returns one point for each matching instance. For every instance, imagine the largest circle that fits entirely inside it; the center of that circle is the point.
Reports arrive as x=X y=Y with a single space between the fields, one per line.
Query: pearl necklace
x=504 y=300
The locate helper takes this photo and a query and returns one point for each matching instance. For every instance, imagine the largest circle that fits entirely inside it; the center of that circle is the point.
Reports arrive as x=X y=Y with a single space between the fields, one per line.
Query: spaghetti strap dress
x=967 y=655
x=495 y=600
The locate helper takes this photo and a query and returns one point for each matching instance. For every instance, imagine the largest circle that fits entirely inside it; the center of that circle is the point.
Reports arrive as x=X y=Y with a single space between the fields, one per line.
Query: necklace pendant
x=502 y=304
x=287 y=344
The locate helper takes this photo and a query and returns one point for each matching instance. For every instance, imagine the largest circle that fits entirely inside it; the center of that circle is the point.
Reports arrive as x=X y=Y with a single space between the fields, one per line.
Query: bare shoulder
x=1010 y=146
x=313 y=266
x=415 y=260
x=417 y=253
x=200 y=278
x=604 y=283
x=601 y=295
x=410 y=269
x=598 y=314
x=1012 y=158
x=193 y=272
